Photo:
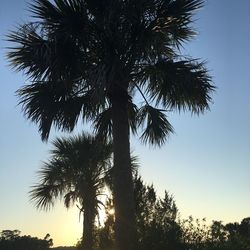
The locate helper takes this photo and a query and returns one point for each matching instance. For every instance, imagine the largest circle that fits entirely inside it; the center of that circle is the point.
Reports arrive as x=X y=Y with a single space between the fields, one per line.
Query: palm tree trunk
x=88 y=227
x=122 y=182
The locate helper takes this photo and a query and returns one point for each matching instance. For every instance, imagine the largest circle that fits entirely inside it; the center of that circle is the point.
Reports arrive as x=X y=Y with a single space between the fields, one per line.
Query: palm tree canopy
x=81 y=54
x=75 y=172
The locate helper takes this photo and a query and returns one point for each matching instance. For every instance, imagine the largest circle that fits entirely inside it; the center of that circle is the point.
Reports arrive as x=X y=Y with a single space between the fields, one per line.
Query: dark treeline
x=12 y=240
x=158 y=227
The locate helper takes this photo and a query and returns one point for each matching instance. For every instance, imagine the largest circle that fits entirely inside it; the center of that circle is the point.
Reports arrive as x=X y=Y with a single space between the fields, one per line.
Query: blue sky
x=205 y=164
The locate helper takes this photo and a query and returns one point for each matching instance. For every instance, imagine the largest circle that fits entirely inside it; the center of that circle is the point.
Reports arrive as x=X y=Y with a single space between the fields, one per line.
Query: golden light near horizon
x=205 y=164
x=69 y=229
x=63 y=225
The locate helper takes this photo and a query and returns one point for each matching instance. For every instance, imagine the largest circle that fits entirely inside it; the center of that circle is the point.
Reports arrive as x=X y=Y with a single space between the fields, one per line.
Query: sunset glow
x=205 y=163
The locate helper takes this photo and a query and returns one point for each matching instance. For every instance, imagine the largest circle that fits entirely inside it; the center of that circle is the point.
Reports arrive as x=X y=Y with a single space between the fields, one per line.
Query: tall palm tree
x=88 y=58
x=75 y=172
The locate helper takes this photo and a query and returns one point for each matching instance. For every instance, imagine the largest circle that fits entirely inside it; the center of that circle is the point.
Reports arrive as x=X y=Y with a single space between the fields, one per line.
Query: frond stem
x=143 y=96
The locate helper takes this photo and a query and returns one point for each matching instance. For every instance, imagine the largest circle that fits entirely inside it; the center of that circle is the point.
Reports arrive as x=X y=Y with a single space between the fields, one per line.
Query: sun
x=111 y=211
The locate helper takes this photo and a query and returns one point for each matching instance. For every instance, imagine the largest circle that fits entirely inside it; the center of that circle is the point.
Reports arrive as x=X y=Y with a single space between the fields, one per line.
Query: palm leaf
x=43 y=57
x=174 y=19
x=44 y=195
x=48 y=104
x=179 y=85
x=103 y=124
x=68 y=18
x=157 y=127
x=70 y=198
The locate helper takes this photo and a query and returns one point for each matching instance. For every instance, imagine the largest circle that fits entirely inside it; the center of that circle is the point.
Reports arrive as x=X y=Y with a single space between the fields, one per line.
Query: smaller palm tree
x=75 y=172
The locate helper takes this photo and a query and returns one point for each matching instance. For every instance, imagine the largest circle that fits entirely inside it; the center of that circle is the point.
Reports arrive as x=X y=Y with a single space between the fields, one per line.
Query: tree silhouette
x=12 y=240
x=75 y=172
x=87 y=59
x=198 y=235
x=156 y=221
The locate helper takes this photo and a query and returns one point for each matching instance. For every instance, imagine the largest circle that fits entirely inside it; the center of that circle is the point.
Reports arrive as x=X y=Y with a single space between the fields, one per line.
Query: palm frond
x=64 y=148
x=32 y=52
x=52 y=172
x=103 y=124
x=66 y=17
x=157 y=127
x=53 y=103
x=70 y=198
x=174 y=19
x=44 y=195
x=132 y=117
x=46 y=106
x=45 y=58
x=158 y=27
x=183 y=84
x=134 y=159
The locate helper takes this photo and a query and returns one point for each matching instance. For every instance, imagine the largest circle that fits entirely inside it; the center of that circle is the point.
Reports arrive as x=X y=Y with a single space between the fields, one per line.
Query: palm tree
x=75 y=172
x=88 y=58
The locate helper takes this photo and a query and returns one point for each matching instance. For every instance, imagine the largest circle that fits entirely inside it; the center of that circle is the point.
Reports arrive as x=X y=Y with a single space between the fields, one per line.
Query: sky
x=205 y=164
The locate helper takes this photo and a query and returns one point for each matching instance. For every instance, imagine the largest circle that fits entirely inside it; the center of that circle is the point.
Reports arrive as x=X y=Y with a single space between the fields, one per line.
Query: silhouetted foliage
x=105 y=234
x=159 y=228
x=11 y=240
x=198 y=235
x=86 y=59
x=156 y=219
x=76 y=173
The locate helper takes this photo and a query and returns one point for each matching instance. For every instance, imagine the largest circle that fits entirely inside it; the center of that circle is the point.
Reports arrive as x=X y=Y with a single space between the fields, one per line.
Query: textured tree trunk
x=88 y=227
x=123 y=184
